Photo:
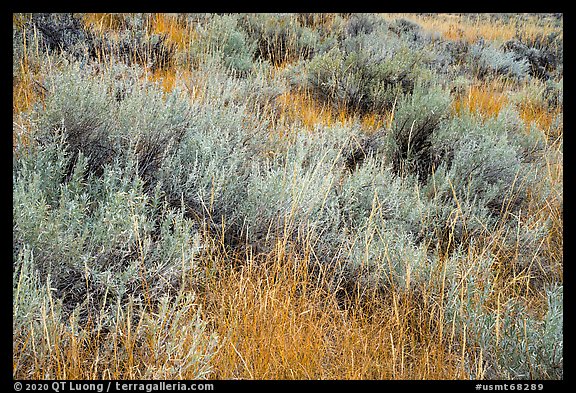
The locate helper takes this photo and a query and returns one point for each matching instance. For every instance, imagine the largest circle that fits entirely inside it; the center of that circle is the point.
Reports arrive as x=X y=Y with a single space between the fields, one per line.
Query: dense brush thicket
x=121 y=183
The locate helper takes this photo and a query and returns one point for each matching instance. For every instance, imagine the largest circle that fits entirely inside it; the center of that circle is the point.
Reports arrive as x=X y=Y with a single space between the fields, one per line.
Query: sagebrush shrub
x=382 y=239
x=222 y=37
x=415 y=122
x=374 y=187
x=60 y=32
x=484 y=170
x=544 y=53
x=361 y=24
x=99 y=238
x=291 y=200
x=208 y=171
x=27 y=294
x=386 y=260
x=489 y=60
x=514 y=345
x=365 y=75
x=103 y=128
x=100 y=211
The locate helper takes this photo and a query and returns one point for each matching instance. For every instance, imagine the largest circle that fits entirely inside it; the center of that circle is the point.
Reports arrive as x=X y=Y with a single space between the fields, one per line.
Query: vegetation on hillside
x=287 y=196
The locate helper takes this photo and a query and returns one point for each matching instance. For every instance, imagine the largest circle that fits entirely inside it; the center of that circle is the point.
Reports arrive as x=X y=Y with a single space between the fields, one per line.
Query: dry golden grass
x=543 y=117
x=488 y=98
x=276 y=320
x=471 y=29
x=303 y=108
x=26 y=90
x=551 y=210
x=177 y=33
x=103 y=22
x=24 y=94
x=485 y=99
x=137 y=347
x=166 y=77
x=535 y=111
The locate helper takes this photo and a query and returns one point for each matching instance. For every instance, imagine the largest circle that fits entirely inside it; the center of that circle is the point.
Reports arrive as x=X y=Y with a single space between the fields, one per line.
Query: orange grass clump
x=24 y=94
x=26 y=90
x=276 y=320
x=166 y=78
x=483 y=99
x=176 y=33
x=102 y=23
x=301 y=106
x=373 y=121
x=542 y=116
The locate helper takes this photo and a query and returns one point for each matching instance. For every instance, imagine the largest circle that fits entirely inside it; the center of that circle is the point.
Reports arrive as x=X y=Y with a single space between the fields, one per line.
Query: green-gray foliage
x=514 y=344
x=366 y=72
x=489 y=60
x=222 y=37
x=99 y=238
x=415 y=123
